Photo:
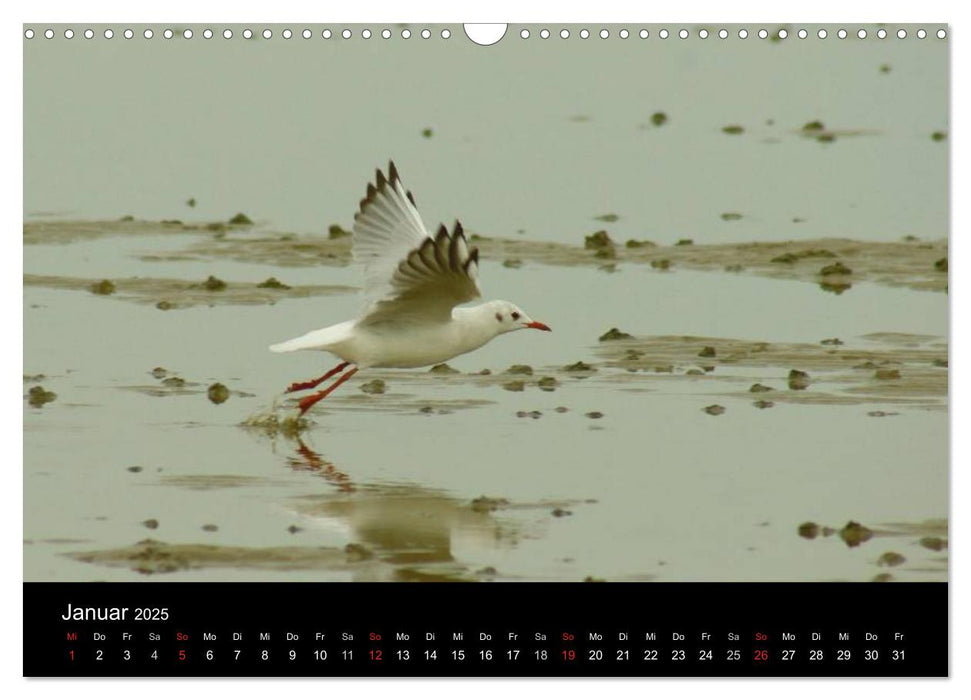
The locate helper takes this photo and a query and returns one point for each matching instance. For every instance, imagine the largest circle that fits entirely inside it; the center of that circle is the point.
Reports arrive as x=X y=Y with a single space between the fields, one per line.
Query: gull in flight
x=413 y=284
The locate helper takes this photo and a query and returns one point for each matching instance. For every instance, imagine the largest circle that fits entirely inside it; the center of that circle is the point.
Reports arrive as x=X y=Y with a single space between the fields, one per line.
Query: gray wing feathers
x=407 y=272
x=386 y=227
x=444 y=262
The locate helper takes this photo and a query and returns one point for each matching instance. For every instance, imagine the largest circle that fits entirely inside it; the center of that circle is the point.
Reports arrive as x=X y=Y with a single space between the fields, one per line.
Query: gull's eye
x=515 y=315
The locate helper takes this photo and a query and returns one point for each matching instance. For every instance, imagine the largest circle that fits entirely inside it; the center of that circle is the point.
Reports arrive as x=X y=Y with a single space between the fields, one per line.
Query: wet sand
x=914 y=264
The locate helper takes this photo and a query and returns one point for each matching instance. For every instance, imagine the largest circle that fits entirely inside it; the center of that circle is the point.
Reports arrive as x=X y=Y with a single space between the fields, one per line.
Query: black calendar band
x=459 y=629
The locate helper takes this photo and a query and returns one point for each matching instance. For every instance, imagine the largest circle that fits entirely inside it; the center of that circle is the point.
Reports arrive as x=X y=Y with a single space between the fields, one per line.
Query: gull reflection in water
x=405 y=531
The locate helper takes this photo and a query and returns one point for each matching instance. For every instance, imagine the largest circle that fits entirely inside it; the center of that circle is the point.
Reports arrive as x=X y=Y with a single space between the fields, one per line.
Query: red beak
x=538 y=326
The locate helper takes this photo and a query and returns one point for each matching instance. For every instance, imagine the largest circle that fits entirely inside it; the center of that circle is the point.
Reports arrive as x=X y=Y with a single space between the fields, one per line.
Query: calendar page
x=489 y=350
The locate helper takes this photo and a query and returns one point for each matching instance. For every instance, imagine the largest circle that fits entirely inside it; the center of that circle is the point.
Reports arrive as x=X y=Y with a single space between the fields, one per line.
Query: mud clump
x=241 y=220
x=733 y=129
x=891 y=559
x=512 y=263
x=547 y=383
x=798 y=380
x=580 y=366
x=209 y=527
x=431 y=410
x=685 y=241
x=661 y=264
x=218 y=393
x=484 y=504
x=938 y=136
x=615 y=334
x=561 y=409
x=940 y=363
x=103 y=287
x=836 y=288
x=792 y=257
x=134 y=469
x=813 y=126
x=714 y=410
x=151 y=524
x=174 y=382
x=854 y=534
x=336 y=232
x=214 y=284
x=882 y=414
x=160 y=372
x=375 y=386
x=520 y=369
x=272 y=283
x=427 y=133
x=659 y=119
x=707 y=351
x=598 y=241
x=443 y=368
x=756 y=388
x=935 y=544
x=164 y=305
x=808 y=530
x=731 y=216
x=763 y=404
x=837 y=268
x=695 y=372
x=941 y=265
x=517 y=385
x=529 y=414
x=886 y=374
x=38 y=396
x=594 y=415
x=632 y=243
x=831 y=341
x=607 y=218
x=561 y=512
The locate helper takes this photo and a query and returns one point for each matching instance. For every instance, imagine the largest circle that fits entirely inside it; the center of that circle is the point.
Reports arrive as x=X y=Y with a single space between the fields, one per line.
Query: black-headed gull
x=413 y=284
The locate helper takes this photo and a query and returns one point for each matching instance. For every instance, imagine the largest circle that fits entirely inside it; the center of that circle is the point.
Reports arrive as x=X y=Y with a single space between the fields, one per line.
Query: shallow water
x=452 y=476
x=654 y=489
x=539 y=136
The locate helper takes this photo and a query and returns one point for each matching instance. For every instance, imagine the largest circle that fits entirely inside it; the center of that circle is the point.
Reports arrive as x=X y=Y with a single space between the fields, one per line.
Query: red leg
x=312 y=384
x=307 y=401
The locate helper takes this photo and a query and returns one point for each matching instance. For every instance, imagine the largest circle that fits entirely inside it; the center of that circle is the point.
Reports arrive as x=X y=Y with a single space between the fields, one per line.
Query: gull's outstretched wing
x=407 y=272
